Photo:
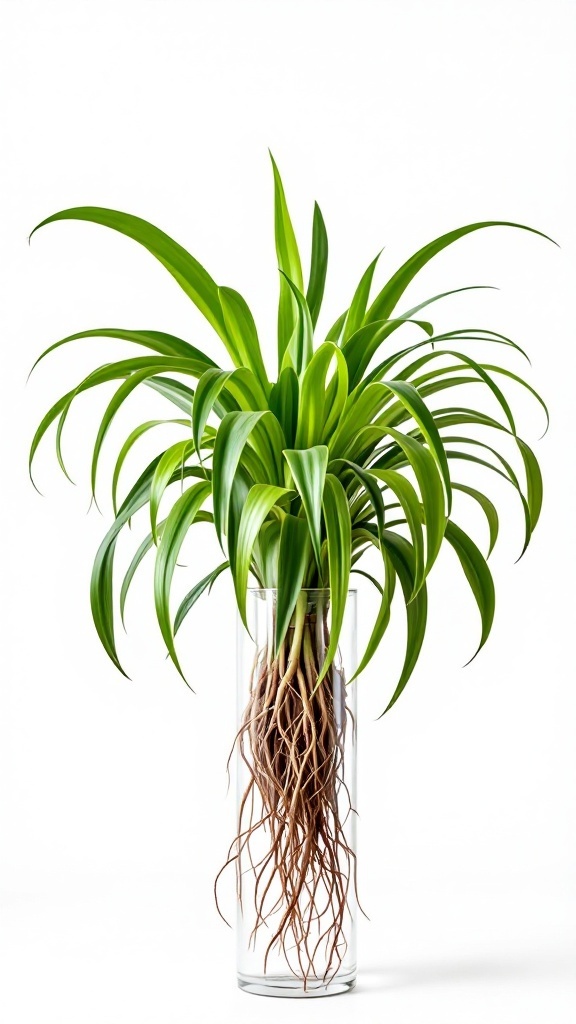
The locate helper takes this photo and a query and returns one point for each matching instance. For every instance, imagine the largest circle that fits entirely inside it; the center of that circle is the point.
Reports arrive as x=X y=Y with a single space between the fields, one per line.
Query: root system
x=292 y=851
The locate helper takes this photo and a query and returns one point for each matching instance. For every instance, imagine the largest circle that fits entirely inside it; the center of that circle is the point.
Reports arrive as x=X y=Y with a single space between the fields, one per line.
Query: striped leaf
x=308 y=469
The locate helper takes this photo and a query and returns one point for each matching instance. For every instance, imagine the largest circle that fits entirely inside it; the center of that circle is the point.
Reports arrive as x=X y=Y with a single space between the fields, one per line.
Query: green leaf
x=488 y=508
x=175 y=391
x=129 y=443
x=288 y=262
x=362 y=346
x=478 y=575
x=443 y=295
x=259 y=502
x=339 y=546
x=311 y=419
x=190 y=275
x=158 y=341
x=357 y=310
x=370 y=486
x=116 y=371
x=308 y=469
x=269 y=550
x=125 y=389
x=337 y=327
x=383 y=617
x=412 y=402
x=234 y=431
x=242 y=333
x=141 y=551
x=430 y=486
x=177 y=524
x=173 y=458
x=386 y=300
x=408 y=499
x=284 y=402
x=467 y=361
x=209 y=386
x=519 y=380
x=533 y=481
x=402 y=557
x=294 y=555
x=318 y=265
x=299 y=350
x=101 y=594
x=193 y=595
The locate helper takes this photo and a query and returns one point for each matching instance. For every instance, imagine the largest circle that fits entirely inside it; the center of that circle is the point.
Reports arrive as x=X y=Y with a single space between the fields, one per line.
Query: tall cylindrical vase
x=296 y=845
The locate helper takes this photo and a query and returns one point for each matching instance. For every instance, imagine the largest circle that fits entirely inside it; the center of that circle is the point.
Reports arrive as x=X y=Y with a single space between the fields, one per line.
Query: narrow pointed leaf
x=318 y=265
x=209 y=386
x=386 y=300
x=478 y=575
x=177 y=524
x=190 y=275
x=288 y=262
x=383 y=617
x=174 y=458
x=357 y=310
x=488 y=508
x=335 y=332
x=408 y=499
x=195 y=593
x=129 y=443
x=402 y=557
x=158 y=341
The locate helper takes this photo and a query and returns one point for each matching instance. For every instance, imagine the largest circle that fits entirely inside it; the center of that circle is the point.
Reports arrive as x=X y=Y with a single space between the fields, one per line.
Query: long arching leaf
x=192 y=596
x=478 y=575
x=177 y=524
x=386 y=300
x=190 y=275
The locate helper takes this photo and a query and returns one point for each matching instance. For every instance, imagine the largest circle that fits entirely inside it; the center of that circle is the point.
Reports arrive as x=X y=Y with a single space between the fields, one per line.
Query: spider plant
x=301 y=473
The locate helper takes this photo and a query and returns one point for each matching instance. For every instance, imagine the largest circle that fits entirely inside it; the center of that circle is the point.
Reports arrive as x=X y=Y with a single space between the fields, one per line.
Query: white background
x=404 y=120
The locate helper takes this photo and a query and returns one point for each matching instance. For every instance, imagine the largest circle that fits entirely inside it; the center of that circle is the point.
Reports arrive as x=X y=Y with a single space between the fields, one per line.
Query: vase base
x=288 y=987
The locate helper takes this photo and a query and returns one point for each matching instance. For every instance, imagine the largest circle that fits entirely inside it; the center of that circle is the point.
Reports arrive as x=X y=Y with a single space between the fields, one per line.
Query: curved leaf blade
x=308 y=469
x=195 y=593
x=260 y=499
x=478 y=575
x=187 y=271
x=177 y=524
x=387 y=298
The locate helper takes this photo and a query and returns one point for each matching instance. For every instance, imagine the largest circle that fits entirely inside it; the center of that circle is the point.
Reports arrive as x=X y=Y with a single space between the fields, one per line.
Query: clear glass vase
x=295 y=852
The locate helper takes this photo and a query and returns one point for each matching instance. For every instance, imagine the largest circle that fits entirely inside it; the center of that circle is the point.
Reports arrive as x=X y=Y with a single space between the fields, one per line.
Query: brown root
x=294 y=809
